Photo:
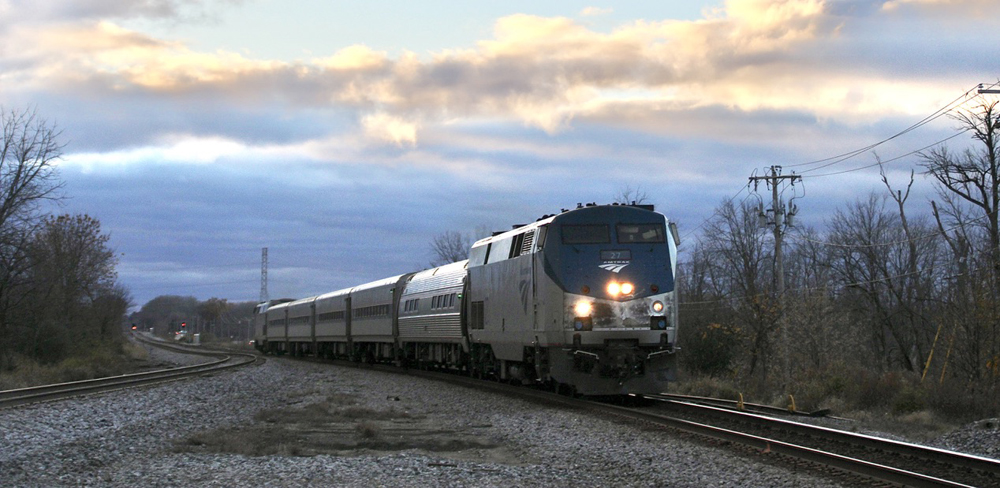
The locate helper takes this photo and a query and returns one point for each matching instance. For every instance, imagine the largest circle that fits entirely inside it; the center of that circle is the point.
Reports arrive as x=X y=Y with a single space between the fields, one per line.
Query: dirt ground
x=339 y=426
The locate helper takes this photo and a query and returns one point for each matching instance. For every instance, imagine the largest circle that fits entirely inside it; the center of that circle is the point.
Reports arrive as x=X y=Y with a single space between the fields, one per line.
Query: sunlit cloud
x=388 y=128
x=544 y=72
x=356 y=57
x=175 y=148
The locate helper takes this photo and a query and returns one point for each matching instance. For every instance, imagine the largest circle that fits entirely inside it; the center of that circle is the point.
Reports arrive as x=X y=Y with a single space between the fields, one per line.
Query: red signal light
x=184 y=324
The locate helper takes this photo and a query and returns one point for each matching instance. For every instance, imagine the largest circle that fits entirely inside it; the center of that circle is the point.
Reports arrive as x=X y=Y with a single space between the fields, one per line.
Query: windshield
x=641 y=233
x=586 y=234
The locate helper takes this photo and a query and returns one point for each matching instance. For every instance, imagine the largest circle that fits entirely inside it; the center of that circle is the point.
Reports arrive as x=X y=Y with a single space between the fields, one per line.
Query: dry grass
x=23 y=372
x=246 y=441
x=708 y=387
x=333 y=425
x=893 y=402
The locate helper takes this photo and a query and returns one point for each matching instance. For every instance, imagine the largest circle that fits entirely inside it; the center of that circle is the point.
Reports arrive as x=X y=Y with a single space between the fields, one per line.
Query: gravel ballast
x=368 y=428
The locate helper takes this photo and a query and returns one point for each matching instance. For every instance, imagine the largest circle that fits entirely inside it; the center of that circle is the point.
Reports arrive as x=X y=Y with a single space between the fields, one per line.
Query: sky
x=345 y=136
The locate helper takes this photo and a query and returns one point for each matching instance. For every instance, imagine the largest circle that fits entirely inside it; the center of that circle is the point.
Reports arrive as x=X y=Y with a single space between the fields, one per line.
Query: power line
x=848 y=155
x=946 y=139
x=926 y=120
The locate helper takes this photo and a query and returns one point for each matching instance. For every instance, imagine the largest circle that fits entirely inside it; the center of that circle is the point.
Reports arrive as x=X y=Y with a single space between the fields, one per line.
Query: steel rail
x=964 y=460
x=853 y=465
x=735 y=404
x=859 y=467
x=21 y=396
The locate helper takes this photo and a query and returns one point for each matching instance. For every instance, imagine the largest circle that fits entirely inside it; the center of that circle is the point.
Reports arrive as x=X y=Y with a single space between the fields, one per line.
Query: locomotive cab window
x=641 y=233
x=586 y=234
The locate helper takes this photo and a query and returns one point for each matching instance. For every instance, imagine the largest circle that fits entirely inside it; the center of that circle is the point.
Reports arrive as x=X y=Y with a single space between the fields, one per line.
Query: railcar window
x=586 y=234
x=499 y=250
x=641 y=233
x=338 y=315
x=515 y=246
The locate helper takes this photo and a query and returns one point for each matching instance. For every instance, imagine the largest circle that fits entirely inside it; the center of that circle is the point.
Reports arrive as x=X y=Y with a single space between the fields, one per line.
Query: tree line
x=215 y=318
x=59 y=294
x=880 y=296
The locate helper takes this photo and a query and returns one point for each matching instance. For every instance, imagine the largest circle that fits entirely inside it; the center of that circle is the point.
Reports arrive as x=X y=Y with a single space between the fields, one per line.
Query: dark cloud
x=72 y=10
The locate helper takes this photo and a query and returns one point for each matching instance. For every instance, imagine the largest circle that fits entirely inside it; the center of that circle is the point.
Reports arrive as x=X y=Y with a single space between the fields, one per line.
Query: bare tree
x=889 y=269
x=739 y=255
x=631 y=196
x=28 y=176
x=968 y=184
x=29 y=147
x=972 y=176
x=449 y=247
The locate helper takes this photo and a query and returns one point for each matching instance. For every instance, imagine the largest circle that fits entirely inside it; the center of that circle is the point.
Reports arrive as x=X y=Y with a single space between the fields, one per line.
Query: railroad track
x=223 y=361
x=878 y=458
x=880 y=461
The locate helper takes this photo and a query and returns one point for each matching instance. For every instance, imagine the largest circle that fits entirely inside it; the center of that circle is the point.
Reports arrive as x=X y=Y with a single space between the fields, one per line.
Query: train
x=582 y=302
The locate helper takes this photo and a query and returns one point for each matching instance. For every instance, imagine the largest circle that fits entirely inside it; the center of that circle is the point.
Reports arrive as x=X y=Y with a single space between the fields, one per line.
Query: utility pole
x=263 y=275
x=781 y=218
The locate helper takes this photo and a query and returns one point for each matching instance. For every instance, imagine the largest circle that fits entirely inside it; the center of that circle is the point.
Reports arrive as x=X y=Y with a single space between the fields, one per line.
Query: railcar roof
x=377 y=283
x=548 y=219
x=334 y=294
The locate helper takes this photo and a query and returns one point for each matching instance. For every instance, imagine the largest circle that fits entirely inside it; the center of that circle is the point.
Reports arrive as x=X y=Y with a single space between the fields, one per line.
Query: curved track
x=870 y=458
x=878 y=458
x=224 y=360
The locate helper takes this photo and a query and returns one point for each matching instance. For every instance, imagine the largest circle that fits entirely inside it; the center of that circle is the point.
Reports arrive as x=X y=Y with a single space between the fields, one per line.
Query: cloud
x=356 y=57
x=62 y=10
x=385 y=127
x=595 y=11
x=962 y=7
x=551 y=73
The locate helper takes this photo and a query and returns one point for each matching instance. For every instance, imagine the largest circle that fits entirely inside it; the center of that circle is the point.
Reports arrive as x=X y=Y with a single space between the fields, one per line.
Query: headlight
x=614 y=289
x=657 y=306
x=582 y=308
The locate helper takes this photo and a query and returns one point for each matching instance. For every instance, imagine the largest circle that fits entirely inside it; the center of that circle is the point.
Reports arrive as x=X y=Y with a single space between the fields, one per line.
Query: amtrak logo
x=614 y=267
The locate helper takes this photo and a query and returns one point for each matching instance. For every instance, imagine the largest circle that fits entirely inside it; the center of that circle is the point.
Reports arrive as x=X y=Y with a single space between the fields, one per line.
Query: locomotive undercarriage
x=619 y=366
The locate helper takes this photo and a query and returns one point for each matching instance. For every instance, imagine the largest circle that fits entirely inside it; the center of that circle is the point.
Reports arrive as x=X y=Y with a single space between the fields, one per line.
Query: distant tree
x=165 y=313
x=211 y=312
x=450 y=247
x=628 y=195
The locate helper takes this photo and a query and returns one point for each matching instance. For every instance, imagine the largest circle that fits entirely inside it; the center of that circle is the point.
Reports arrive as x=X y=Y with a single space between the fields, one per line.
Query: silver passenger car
x=430 y=315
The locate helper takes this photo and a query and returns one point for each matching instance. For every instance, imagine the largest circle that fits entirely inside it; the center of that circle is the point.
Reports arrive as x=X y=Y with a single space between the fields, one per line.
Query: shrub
x=709 y=350
x=908 y=400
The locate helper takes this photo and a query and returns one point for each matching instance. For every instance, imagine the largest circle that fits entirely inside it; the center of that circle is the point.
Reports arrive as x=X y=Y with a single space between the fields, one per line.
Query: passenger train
x=581 y=301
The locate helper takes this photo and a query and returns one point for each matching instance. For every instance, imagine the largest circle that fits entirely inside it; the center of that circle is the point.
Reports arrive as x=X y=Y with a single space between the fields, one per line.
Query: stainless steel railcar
x=583 y=300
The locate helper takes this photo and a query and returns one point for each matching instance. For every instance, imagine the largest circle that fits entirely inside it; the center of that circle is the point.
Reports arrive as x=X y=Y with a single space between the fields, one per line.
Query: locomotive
x=582 y=301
